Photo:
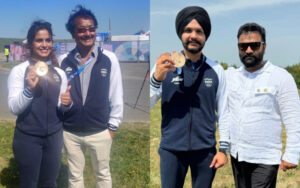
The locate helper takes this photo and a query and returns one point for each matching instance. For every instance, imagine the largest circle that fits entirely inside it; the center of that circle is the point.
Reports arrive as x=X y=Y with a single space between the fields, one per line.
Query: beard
x=251 y=60
x=193 y=50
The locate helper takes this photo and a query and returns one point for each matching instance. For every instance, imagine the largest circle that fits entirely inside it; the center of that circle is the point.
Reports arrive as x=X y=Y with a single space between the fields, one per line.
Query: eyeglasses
x=253 y=45
x=83 y=30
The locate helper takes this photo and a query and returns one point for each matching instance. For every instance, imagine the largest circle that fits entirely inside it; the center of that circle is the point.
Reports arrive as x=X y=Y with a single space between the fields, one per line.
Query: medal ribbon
x=80 y=69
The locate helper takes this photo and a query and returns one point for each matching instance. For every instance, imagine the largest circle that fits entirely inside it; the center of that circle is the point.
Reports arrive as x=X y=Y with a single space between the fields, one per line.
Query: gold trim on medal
x=41 y=68
x=178 y=58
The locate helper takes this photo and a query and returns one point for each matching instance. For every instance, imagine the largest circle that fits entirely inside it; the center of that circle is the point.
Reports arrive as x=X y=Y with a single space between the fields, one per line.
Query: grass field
x=130 y=165
x=8 y=66
x=223 y=178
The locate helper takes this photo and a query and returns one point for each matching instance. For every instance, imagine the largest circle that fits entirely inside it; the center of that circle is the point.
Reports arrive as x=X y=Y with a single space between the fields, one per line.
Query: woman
x=38 y=101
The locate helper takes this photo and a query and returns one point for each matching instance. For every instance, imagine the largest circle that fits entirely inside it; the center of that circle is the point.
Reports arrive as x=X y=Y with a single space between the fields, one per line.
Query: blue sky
x=281 y=19
x=127 y=17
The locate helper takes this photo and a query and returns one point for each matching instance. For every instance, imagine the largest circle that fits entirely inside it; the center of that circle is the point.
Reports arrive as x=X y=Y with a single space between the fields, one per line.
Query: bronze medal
x=41 y=68
x=178 y=58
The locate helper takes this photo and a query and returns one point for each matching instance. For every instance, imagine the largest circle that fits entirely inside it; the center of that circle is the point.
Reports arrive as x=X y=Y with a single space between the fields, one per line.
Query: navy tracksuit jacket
x=38 y=138
x=93 y=115
x=189 y=108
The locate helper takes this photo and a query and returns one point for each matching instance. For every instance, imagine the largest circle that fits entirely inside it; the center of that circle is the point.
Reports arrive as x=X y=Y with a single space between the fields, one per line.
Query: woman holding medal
x=38 y=95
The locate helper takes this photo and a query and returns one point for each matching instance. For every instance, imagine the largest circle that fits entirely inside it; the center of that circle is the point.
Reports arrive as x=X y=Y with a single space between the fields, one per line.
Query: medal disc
x=178 y=58
x=41 y=68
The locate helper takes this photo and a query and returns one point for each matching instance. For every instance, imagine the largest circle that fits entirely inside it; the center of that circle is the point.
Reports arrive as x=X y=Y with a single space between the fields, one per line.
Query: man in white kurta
x=262 y=98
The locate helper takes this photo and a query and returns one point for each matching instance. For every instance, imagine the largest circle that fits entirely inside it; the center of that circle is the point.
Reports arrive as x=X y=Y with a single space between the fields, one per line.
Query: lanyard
x=81 y=69
x=179 y=70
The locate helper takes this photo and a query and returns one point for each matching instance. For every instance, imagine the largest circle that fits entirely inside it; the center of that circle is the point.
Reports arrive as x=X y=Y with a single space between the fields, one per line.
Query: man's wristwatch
x=225 y=151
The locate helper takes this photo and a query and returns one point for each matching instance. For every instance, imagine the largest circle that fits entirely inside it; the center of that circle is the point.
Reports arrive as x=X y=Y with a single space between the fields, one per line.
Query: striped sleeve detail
x=155 y=83
x=112 y=127
x=224 y=145
x=28 y=93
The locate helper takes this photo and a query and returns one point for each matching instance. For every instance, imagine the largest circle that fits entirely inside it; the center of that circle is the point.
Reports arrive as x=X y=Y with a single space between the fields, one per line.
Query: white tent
x=130 y=37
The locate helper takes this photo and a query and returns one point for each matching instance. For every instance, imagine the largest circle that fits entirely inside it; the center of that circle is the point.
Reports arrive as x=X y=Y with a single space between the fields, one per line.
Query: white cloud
x=163 y=13
x=230 y=5
x=239 y=5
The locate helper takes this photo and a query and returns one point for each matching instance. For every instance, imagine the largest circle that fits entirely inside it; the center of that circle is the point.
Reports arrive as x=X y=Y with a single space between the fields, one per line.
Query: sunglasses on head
x=253 y=45
x=83 y=30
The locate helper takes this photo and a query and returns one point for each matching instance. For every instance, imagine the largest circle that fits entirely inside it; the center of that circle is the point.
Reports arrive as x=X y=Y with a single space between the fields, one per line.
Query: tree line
x=294 y=70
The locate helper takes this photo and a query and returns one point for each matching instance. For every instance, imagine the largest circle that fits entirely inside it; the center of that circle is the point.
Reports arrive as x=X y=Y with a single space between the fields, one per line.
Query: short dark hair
x=79 y=12
x=252 y=27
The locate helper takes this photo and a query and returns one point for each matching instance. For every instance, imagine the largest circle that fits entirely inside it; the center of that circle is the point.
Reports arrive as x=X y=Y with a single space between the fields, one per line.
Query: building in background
x=128 y=48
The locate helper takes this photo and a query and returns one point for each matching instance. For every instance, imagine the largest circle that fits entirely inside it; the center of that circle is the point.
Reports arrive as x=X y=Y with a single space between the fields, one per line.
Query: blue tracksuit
x=38 y=141
x=189 y=108
x=191 y=97
x=94 y=114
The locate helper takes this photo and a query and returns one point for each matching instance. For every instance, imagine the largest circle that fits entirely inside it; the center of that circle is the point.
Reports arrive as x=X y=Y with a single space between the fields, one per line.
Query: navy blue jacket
x=42 y=117
x=93 y=116
x=189 y=106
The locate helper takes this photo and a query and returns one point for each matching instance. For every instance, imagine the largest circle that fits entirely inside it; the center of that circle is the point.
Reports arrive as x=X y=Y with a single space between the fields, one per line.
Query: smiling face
x=193 y=37
x=84 y=33
x=42 y=45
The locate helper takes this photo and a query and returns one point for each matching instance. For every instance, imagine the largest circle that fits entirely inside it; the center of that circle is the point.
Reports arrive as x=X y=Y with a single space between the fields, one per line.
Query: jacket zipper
x=190 y=127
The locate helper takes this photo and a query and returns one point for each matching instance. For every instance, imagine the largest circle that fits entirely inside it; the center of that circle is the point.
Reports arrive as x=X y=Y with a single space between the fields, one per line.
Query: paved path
x=133 y=75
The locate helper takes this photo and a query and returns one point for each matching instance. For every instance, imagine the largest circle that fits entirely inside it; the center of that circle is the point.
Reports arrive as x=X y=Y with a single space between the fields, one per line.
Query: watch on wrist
x=223 y=150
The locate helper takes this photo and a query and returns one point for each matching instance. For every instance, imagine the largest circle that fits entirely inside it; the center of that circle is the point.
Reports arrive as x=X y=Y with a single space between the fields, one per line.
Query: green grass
x=129 y=158
x=223 y=178
x=9 y=65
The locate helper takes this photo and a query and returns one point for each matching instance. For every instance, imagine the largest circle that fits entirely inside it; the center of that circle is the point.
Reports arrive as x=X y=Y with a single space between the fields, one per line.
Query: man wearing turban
x=190 y=97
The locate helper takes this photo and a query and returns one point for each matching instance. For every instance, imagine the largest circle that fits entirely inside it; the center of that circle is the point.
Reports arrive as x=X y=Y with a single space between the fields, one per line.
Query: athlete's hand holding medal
x=40 y=68
x=166 y=62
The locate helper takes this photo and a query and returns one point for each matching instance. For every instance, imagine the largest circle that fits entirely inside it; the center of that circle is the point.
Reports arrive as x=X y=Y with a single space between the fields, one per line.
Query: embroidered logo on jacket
x=208 y=82
x=56 y=77
x=177 y=80
x=103 y=72
x=68 y=70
